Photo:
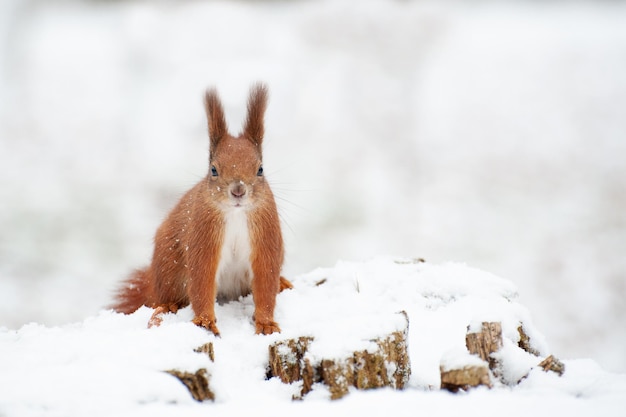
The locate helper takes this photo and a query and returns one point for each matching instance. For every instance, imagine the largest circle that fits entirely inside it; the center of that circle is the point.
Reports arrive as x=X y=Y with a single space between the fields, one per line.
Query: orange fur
x=233 y=205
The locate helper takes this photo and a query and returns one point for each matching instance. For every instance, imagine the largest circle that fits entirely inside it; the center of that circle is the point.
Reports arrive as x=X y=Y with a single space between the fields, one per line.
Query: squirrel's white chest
x=234 y=270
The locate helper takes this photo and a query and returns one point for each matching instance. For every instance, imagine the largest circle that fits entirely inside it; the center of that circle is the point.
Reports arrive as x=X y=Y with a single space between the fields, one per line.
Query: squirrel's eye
x=259 y=173
x=213 y=171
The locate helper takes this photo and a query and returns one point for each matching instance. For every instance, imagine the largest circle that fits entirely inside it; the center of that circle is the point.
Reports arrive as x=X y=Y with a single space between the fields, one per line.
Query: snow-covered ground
x=112 y=365
x=490 y=133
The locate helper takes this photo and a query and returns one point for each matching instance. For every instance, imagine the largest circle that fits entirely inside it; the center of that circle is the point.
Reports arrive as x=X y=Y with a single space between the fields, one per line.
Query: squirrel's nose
x=238 y=189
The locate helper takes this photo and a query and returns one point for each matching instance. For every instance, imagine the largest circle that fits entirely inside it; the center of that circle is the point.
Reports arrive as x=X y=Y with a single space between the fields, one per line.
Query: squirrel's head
x=235 y=176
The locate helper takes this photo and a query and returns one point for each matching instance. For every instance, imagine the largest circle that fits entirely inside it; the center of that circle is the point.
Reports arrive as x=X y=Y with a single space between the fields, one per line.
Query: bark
x=482 y=344
x=465 y=378
x=525 y=342
x=207 y=349
x=287 y=359
x=197 y=384
x=485 y=342
x=553 y=364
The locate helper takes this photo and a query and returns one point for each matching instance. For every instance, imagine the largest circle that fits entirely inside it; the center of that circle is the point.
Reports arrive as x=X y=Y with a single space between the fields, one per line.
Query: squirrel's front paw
x=285 y=284
x=268 y=327
x=157 y=315
x=209 y=324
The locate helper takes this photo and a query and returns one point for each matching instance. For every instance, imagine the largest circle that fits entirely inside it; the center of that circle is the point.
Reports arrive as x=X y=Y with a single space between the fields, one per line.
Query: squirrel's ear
x=257 y=103
x=215 y=117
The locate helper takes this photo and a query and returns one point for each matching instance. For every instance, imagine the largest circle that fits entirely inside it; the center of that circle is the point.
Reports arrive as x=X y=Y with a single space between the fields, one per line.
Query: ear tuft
x=215 y=117
x=257 y=103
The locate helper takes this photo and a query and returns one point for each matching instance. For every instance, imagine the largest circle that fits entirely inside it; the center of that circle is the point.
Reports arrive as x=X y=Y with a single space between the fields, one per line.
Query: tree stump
x=385 y=365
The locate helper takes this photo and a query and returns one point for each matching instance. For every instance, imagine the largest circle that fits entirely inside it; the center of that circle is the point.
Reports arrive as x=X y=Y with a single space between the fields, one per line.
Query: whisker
x=286 y=223
x=292 y=204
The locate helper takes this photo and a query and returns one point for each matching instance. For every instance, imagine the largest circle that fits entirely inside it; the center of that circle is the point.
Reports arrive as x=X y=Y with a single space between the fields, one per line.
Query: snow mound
x=112 y=364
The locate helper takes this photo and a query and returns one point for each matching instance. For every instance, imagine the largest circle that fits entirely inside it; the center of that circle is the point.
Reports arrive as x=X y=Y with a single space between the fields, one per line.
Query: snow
x=489 y=133
x=459 y=358
x=111 y=364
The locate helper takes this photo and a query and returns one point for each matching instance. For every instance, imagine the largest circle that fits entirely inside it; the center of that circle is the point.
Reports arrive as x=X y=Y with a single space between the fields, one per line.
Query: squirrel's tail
x=134 y=292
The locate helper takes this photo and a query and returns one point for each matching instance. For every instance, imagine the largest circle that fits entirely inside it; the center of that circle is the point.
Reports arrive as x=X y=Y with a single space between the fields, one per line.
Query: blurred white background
x=486 y=132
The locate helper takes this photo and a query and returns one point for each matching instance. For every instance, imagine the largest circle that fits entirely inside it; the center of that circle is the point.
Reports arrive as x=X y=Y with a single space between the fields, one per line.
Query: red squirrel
x=223 y=238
